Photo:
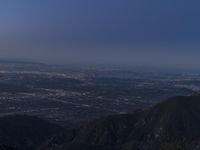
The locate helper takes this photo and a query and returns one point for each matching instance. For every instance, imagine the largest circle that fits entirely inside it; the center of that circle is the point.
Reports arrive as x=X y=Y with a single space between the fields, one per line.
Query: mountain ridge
x=171 y=125
x=176 y=119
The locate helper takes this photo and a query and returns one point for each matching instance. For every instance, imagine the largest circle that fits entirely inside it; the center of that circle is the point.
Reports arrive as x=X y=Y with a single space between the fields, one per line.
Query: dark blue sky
x=132 y=32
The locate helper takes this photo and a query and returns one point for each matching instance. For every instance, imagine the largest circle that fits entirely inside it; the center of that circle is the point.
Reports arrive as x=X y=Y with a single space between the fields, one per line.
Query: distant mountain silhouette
x=19 y=62
x=171 y=125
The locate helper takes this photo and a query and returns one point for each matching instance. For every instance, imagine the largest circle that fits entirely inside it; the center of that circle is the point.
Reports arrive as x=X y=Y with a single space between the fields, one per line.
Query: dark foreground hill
x=171 y=125
x=25 y=132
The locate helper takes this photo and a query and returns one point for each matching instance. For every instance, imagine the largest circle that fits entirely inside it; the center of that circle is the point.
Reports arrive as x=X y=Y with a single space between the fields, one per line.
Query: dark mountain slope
x=110 y=130
x=25 y=132
x=173 y=123
x=177 y=117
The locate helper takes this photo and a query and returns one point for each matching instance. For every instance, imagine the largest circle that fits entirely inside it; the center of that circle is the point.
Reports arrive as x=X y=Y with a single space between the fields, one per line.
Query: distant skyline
x=114 y=32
